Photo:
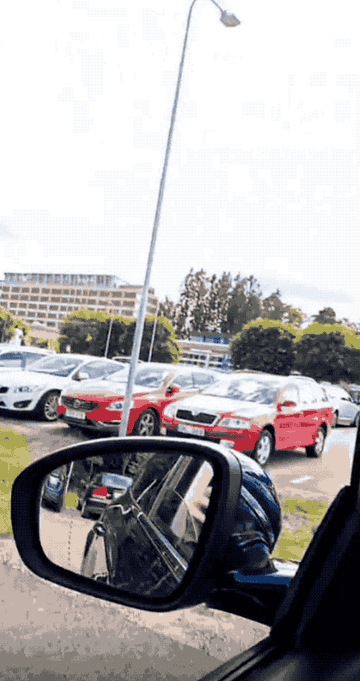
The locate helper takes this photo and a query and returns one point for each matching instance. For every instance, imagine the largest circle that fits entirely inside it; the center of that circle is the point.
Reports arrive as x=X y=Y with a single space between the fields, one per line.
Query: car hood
x=224 y=405
x=15 y=379
x=101 y=390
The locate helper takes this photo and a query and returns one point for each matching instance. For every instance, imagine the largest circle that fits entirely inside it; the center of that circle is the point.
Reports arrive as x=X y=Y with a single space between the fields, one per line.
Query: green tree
x=325 y=316
x=167 y=309
x=87 y=332
x=6 y=323
x=264 y=347
x=323 y=356
x=272 y=307
x=244 y=305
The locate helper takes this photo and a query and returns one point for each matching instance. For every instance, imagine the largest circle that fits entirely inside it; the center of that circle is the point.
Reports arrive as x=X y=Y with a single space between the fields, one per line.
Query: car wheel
x=263 y=448
x=147 y=424
x=335 y=420
x=316 y=450
x=47 y=407
x=356 y=420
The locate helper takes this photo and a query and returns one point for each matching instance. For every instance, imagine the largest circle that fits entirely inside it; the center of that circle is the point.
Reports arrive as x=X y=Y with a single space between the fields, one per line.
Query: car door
x=288 y=420
x=311 y=405
x=347 y=408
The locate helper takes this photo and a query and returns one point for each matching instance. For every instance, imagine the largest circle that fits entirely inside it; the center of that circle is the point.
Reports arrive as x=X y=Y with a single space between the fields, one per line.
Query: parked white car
x=38 y=389
x=346 y=411
x=16 y=359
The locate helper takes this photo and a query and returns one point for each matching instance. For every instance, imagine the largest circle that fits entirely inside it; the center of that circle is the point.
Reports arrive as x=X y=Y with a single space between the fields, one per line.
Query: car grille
x=3 y=389
x=208 y=419
x=81 y=405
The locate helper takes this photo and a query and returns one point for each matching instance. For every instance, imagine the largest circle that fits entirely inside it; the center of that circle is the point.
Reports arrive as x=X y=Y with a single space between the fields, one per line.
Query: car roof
x=26 y=348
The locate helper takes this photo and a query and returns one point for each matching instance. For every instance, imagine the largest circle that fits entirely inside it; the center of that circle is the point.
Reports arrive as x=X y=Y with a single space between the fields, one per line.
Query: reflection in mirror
x=130 y=520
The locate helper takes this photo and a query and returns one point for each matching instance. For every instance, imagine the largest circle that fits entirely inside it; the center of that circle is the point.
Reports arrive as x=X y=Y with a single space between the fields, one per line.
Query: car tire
x=315 y=451
x=264 y=448
x=147 y=424
x=47 y=407
x=356 y=420
x=335 y=420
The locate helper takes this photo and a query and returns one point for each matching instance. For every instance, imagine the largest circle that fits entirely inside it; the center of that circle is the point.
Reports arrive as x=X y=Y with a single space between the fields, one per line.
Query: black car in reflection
x=145 y=540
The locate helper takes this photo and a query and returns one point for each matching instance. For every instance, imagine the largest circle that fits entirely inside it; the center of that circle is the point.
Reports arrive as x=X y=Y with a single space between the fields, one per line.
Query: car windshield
x=151 y=377
x=58 y=366
x=245 y=390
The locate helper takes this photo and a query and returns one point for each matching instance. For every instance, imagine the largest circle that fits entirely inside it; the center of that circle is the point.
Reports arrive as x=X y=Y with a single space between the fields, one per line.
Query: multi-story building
x=45 y=299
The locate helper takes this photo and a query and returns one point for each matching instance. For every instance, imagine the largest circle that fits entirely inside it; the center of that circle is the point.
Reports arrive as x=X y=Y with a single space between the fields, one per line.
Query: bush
x=14 y=457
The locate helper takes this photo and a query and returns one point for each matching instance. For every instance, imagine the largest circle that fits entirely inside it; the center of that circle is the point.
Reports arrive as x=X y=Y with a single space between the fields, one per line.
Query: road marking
x=307 y=477
x=52 y=425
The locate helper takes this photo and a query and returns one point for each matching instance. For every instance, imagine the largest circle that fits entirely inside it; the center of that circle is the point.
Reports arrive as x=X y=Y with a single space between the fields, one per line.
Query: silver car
x=346 y=411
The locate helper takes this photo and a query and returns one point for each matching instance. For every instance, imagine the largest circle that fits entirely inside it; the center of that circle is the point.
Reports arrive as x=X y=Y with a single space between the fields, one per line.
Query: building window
x=66 y=291
x=34 y=298
x=26 y=290
x=6 y=296
x=102 y=302
x=129 y=303
x=32 y=306
x=42 y=315
x=128 y=294
x=93 y=293
x=55 y=300
x=7 y=288
x=85 y=292
x=50 y=323
x=105 y=293
x=63 y=308
x=116 y=294
x=44 y=299
x=24 y=297
x=13 y=304
x=53 y=307
x=78 y=292
x=92 y=301
x=52 y=316
x=35 y=290
x=77 y=301
x=42 y=307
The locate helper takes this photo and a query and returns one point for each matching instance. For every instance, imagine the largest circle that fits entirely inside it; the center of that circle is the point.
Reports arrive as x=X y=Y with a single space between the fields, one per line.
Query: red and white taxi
x=98 y=406
x=254 y=414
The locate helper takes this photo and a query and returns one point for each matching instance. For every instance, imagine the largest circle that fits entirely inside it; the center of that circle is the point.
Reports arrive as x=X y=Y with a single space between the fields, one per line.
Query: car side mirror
x=162 y=533
x=289 y=404
x=81 y=376
x=172 y=390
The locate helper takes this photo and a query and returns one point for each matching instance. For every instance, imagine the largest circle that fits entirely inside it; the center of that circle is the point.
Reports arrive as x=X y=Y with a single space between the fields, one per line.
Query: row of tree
x=224 y=305
x=324 y=352
x=88 y=332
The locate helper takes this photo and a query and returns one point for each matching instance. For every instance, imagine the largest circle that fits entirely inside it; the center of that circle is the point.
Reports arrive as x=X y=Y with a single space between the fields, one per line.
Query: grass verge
x=300 y=518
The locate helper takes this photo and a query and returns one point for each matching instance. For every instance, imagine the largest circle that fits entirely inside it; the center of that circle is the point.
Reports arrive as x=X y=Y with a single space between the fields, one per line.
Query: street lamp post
x=228 y=20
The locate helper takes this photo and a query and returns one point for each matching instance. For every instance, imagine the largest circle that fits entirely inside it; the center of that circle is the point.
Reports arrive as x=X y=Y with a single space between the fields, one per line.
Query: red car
x=99 y=406
x=254 y=414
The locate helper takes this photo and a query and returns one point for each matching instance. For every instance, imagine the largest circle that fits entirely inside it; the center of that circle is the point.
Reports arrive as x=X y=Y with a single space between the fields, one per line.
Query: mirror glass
x=129 y=520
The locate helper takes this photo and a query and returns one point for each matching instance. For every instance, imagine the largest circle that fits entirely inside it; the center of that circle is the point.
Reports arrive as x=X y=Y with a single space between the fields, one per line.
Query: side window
x=30 y=357
x=94 y=369
x=11 y=359
x=184 y=381
x=202 y=380
x=290 y=394
x=305 y=395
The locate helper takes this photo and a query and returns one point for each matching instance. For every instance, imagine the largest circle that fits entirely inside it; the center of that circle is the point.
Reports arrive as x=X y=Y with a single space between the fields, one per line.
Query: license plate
x=75 y=414
x=191 y=430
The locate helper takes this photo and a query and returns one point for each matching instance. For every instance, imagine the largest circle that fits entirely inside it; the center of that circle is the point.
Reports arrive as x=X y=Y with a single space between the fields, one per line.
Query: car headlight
x=236 y=424
x=115 y=406
x=171 y=410
x=28 y=389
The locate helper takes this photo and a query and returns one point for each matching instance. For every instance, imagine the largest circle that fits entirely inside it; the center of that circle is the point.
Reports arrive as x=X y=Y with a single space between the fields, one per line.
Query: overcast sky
x=263 y=176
